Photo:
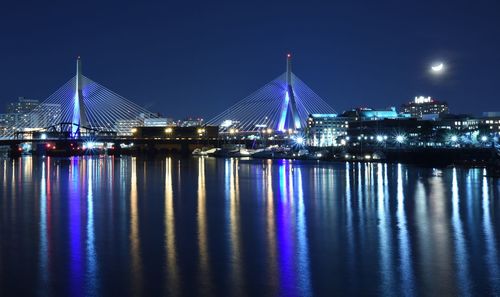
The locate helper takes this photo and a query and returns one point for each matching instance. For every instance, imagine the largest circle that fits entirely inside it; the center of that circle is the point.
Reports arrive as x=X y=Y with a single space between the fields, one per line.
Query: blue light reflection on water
x=405 y=250
x=75 y=228
x=91 y=255
x=490 y=238
x=245 y=227
x=461 y=255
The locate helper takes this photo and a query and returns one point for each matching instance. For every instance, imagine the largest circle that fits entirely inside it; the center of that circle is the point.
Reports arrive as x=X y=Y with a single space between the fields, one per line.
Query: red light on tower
x=289 y=55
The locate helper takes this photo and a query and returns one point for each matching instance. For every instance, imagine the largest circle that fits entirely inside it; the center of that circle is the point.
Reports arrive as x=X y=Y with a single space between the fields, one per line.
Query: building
x=45 y=115
x=331 y=130
x=18 y=113
x=190 y=122
x=22 y=106
x=176 y=132
x=158 y=122
x=325 y=129
x=489 y=125
x=390 y=131
x=124 y=127
x=373 y=114
x=424 y=107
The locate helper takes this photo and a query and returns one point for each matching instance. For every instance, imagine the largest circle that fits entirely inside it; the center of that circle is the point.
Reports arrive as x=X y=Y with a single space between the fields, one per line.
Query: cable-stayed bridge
x=281 y=105
x=82 y=107
x=83 y=111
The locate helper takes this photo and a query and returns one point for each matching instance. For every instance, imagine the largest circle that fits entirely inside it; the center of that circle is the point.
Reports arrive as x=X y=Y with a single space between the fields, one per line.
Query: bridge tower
x=290 y=104
x=79 y=111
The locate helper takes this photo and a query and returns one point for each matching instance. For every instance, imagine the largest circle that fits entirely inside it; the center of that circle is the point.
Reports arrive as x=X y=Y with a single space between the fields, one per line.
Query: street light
x=299 y=140
x=400 y=138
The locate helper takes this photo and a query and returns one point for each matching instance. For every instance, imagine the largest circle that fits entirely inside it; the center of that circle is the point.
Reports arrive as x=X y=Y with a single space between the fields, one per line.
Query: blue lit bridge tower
x=79 y=110
x=289 y=104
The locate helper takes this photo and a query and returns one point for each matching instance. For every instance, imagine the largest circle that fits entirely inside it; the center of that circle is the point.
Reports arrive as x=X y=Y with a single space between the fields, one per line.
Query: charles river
x=109 y=226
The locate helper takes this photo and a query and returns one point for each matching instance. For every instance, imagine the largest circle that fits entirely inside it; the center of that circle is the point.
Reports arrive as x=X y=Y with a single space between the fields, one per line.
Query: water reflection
x=233 y=195
x=135 y=248
x=75 y=216
x=490 y=240
x=461 y=256
x=202 y=230
x=271 y=228
x=385 y=246
x=350 y=231
x=206 y=226
x=170 y=244
x=303 y=271
x=91 y=284
x=405 y=250
x=285 y=231
x=44 y=240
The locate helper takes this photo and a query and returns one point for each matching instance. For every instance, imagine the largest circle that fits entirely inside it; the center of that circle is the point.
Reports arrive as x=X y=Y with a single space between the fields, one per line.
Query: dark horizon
x=198 y=59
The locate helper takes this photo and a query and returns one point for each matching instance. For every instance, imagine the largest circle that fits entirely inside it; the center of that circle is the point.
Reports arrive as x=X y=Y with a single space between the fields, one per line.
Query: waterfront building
x=190 y=122
x=489 y=125
x=124 y=127
x=425 y=107
x=325 y=129
x=158 y=122
x=390 y=131
x=364 y=113
x=458 y=123
x=332 y=130
x=176 y=132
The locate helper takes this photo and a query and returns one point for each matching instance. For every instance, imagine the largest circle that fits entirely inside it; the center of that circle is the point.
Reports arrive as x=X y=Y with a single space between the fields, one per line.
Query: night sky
x=196 y=58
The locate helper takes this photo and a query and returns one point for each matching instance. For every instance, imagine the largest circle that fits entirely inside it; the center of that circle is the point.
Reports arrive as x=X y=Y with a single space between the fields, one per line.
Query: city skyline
x=347 y=53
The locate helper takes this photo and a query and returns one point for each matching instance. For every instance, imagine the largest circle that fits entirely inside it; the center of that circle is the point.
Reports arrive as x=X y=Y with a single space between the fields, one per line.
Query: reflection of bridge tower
x=290 y=104
x=79 y=112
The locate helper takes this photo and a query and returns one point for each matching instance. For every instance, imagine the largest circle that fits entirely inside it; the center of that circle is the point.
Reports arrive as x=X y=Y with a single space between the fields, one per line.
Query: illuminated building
x=325 y=129
x=22 y=106
x=176 y=132
x=124 y=126
x=373 y=114
x=18 y=113
x=158 y=122
x=425 y=106
x=45 y=114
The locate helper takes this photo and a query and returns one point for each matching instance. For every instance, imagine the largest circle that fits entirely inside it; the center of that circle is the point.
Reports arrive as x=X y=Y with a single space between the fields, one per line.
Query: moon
x=437 y=67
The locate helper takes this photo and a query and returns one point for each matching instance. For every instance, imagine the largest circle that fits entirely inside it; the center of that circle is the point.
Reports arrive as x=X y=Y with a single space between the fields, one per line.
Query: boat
x=204 y=151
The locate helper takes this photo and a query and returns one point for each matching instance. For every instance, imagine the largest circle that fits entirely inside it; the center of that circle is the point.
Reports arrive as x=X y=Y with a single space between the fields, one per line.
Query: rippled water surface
x=219 y=227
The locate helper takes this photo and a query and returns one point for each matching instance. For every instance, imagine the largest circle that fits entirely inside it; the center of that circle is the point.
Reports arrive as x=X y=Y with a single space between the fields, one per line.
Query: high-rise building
x=23 y=105
x=422 y=107
x=18 y=113
x=45 y=115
